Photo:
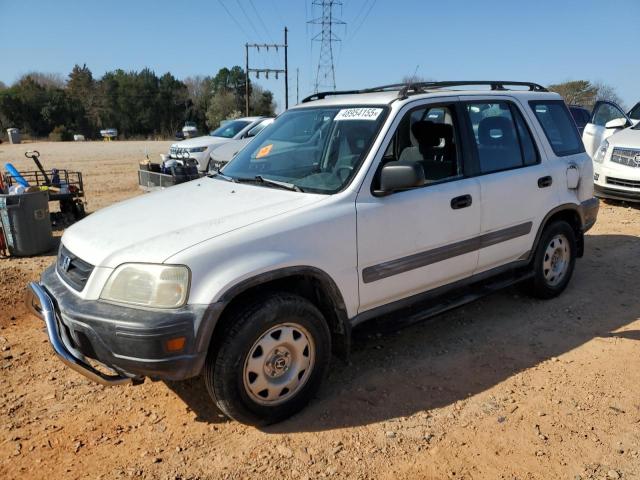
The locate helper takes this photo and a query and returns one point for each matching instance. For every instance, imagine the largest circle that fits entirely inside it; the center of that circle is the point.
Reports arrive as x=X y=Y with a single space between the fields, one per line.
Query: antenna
x=326 y=75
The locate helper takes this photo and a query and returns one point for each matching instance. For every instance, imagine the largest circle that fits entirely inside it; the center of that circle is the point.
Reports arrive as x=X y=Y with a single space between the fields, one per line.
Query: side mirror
x=616 y=123
x=396 y=176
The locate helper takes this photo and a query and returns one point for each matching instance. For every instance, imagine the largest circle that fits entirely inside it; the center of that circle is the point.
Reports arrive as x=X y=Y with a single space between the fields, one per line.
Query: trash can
x=26 y=223
x=14 y=135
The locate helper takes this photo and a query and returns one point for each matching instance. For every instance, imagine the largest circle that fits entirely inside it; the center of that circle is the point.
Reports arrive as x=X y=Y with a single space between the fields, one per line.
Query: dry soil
x=505 y=388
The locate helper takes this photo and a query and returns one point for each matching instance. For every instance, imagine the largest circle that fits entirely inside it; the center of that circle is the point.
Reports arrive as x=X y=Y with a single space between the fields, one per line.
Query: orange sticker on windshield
x=264 y=151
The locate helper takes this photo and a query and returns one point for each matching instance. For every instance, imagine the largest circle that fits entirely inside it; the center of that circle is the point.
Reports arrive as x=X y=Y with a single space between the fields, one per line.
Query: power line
x=234 y=19
x=373 y=4
x=248 y=19
x=360 y=12
x=277 y=10
x=260 y=20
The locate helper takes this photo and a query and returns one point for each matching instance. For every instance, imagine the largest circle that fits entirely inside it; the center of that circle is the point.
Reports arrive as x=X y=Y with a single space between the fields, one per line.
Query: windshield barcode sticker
x=358 y=114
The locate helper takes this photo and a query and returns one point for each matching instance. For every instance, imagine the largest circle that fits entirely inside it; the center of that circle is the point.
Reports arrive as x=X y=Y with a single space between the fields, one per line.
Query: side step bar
x=41 y=305
x=427 y=305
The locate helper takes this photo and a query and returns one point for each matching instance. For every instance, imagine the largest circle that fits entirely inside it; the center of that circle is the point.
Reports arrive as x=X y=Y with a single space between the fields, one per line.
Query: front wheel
x=271 y=361
x=554 y=261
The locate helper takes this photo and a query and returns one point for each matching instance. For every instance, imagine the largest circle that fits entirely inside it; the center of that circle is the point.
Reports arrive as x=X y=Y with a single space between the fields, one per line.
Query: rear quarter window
x=558 y=126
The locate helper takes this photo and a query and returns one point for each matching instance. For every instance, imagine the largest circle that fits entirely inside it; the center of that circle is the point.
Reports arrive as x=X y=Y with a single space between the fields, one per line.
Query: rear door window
x=558 y=126
x=502 y=138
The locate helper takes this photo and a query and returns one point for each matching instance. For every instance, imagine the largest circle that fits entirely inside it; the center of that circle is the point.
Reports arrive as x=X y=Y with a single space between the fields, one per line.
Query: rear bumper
x=130 y=341
x=588 y=211
x=616 y=194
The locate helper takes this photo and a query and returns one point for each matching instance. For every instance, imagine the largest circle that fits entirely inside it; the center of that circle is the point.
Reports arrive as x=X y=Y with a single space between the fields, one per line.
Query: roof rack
x=383 y=88
x=405 y=89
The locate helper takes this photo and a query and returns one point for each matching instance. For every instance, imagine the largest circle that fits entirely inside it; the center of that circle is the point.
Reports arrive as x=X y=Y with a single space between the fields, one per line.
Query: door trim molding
x=435 y=255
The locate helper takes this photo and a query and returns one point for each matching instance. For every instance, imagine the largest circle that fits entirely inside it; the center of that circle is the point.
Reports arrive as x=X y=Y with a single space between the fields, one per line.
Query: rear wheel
x=271 y=361
x=554 y=261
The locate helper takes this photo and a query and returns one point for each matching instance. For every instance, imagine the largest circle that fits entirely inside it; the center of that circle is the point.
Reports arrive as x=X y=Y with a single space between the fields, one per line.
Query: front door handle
x=544 y=182
x=462 y=201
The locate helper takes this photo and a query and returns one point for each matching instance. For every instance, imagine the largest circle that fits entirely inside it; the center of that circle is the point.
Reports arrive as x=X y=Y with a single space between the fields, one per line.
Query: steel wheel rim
x=557 y=257
x=278 y=364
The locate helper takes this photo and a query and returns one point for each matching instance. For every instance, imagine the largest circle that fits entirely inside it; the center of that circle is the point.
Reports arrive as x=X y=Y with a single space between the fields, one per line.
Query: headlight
x=148 y=285
x=196 y=149
x=601 y=152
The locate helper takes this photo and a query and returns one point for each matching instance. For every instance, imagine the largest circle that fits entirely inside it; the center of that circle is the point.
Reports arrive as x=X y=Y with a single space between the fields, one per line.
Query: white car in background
x=612 y=139
x=200 y=148
x=224 y=153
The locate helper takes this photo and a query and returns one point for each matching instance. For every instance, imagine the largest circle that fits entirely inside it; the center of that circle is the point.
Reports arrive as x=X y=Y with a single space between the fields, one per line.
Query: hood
x=226 y=152
x=203 y=141
x=153 y=227
x=627 y=138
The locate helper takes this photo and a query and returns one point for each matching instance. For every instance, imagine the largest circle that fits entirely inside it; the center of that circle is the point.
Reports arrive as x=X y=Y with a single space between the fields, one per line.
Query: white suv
x=405 y=199
x=200 y=148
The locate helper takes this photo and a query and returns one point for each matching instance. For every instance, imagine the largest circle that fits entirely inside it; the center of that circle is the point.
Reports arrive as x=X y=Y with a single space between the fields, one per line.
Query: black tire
x=225 y=365
x=540 y=285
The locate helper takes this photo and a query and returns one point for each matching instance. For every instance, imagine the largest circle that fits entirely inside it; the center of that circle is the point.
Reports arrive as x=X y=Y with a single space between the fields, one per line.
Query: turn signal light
x=175 y=344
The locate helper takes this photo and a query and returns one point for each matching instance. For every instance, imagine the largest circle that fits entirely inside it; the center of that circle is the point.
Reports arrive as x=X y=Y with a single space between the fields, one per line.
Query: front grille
x=621 y=182
x=626 y=156
x=174 y=152
x=74 y=271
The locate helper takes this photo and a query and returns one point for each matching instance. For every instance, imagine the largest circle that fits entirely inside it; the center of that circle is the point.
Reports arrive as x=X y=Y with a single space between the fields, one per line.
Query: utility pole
x=297 y=85
x=286 y=71
x=246 y=79
x=267 y=71
x=326 y=74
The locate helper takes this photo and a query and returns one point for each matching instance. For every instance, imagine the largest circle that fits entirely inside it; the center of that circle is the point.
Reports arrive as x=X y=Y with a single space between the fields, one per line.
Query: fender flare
x=340 y=327
x=565 y=207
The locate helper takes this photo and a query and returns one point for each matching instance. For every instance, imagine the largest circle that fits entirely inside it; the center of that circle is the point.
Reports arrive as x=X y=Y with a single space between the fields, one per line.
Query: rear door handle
x=462 y=201
x=544 y=182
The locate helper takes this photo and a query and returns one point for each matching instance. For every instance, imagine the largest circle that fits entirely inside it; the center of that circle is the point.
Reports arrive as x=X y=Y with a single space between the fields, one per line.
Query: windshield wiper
x=259 y=179
x=223 y=176
x=277 y=183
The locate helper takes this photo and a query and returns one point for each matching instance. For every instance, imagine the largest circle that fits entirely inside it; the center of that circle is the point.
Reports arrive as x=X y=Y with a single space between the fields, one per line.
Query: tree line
x=586 y=93
x=137 y=103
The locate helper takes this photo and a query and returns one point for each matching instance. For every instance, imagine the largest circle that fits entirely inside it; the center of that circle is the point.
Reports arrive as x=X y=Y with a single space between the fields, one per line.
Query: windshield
x=258 y=128
x=230 y=129
x=312 y=149
x=635 y=112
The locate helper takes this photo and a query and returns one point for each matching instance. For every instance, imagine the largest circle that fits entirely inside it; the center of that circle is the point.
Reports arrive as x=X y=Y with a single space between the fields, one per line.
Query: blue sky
x=544 y=41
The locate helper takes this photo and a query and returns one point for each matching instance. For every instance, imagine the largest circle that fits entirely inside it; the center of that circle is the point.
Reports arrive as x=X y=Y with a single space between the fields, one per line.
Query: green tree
x=199 y=90
x=81 y=89
x=261 y=102
x=172 y=103
x=231 y=81
x=221 y=107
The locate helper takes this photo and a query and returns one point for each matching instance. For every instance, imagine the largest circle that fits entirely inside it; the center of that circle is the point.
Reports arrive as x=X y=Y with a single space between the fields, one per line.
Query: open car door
x=634 y=113
x=607 y=118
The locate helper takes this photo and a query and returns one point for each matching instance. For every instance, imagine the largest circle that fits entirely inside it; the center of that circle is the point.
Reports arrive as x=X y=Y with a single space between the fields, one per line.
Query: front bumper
x=130 y=341
x=616 y=194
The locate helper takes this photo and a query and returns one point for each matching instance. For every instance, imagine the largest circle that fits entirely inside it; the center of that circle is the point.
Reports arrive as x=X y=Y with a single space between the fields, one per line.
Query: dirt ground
x=504 y=388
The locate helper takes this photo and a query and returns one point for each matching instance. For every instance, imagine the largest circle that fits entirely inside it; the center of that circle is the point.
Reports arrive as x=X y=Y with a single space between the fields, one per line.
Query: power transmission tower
x=267 y=71
x=326 y=74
